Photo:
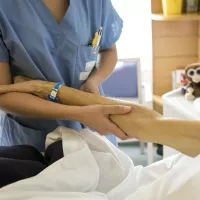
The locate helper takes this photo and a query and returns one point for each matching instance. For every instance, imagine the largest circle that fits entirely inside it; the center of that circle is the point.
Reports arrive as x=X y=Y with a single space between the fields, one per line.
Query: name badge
x=84 y=76
x=90 y=65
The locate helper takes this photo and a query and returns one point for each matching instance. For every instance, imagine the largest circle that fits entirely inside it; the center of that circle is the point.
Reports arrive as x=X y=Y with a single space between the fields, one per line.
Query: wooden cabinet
x=176 y=42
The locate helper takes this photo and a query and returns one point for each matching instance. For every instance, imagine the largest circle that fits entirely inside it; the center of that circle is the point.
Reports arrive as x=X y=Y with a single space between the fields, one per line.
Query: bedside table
x=176 y=106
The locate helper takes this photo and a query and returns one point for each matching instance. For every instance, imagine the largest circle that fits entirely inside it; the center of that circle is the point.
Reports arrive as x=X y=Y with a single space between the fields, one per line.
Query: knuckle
x=103 y=110
x=101 y=133
x=122 y=137
x=119 y=108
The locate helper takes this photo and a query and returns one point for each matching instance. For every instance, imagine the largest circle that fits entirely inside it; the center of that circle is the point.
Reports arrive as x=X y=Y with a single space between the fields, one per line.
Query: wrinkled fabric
x=93 y=168
x=36 y=46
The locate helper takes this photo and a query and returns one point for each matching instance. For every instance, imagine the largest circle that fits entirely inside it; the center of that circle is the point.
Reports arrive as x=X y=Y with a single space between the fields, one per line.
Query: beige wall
x=175 y=44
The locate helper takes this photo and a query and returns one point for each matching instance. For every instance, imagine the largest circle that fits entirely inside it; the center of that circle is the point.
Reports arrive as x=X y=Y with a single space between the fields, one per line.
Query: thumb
x=117 y=110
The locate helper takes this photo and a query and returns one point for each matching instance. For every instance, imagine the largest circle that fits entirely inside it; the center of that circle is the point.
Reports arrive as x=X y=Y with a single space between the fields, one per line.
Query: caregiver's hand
x=97 y=118
x=90 y=87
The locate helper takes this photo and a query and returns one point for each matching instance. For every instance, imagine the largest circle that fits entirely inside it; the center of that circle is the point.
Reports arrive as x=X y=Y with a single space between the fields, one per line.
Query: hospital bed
x=126 y=83
x=93 y=169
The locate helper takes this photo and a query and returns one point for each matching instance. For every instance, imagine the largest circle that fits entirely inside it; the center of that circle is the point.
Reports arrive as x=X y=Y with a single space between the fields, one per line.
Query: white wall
x=136 y=39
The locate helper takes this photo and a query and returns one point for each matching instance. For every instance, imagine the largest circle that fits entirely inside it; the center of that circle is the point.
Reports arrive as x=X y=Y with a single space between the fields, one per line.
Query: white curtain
x=136 y=37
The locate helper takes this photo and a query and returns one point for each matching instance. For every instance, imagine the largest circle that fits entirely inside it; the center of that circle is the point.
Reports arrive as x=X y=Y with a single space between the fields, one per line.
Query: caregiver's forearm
x=106 y=65
x=131 y=123
x=141 y=122
x=29 y=106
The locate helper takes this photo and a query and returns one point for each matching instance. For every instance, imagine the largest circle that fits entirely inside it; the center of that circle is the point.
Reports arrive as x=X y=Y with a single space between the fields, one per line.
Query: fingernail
x=127 y=108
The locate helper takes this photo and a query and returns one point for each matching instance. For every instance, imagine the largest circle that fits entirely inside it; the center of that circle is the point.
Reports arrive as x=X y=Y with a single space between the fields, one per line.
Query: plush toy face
x=192 y=72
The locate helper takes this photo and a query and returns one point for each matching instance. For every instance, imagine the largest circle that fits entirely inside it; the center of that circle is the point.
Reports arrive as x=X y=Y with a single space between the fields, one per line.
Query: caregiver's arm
x=107 y=62
x=106 y=65
x=20 y=100
x=142 y=123
x=27 y=105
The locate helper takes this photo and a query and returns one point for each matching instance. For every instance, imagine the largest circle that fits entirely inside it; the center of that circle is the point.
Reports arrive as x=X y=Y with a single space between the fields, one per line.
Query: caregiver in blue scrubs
x=50 y=40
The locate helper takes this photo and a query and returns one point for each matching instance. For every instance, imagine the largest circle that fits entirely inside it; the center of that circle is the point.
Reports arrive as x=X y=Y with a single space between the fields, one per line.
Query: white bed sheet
x=92 y=168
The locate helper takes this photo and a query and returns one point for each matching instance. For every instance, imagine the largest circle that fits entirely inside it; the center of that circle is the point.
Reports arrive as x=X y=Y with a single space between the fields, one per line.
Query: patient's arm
x=142 y=123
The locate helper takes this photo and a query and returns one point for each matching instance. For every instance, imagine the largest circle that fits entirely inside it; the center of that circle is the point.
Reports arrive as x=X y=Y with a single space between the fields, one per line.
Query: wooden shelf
x=182 y=17
x=158 y=104
x=158 y=99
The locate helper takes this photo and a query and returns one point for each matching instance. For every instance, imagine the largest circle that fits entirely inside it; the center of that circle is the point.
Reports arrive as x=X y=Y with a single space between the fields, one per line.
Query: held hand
x=97 y=118
x=90 y=87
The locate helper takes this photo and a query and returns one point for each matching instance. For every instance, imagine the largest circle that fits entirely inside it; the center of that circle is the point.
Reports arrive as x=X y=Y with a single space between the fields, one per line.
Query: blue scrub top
x=36 y=46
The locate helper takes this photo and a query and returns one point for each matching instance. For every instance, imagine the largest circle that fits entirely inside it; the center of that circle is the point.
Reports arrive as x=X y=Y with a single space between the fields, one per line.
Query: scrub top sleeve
x=4 y=55
x=112 y=25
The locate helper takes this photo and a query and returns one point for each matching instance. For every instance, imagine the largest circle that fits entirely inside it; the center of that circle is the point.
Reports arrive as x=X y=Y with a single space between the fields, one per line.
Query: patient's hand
x=138 y=122
x=20 y=79
x=39 y=88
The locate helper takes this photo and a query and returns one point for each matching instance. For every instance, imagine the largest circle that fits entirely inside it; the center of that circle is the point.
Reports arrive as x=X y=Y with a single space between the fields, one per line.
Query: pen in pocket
x=97 y=38
x=94 y=42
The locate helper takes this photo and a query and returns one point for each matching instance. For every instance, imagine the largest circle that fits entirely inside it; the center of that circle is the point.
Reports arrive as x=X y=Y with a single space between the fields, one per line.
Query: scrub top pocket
x=85 y=63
